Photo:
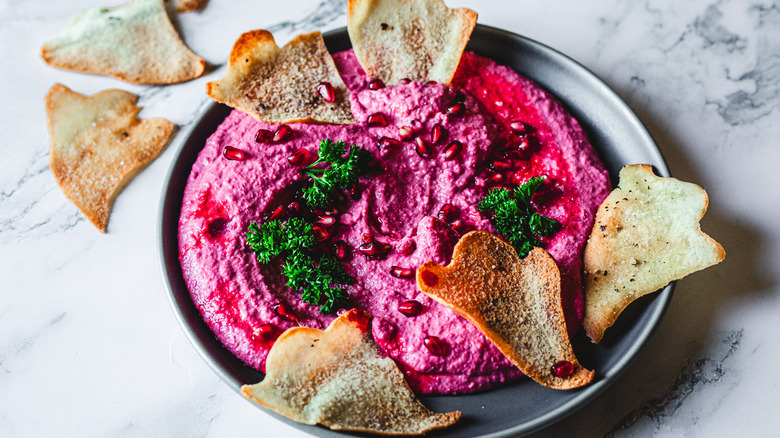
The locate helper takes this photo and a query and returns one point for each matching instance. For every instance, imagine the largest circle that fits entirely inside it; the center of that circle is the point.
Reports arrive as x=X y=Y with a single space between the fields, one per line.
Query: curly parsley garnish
x=515 y=218
x=341 y=172
x=291 y=239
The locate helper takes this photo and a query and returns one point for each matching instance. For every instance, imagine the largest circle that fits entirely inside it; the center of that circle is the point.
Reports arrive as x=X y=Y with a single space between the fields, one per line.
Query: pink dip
x=439 y=351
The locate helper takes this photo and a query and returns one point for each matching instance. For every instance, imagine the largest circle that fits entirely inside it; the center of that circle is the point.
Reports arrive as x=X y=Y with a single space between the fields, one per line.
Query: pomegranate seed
x=282 y=134
x=410 y=308
x=431 y=83
x=436 y=346
x=525 y=143
x=361 y=318
x=326 y=220
x=406 y=133
x=436 y=133
x=519 y=127
x=377 y=120
x=448 y=213
x=354 y=192
x=513 y=154
x=500 y=165
x=405 y=81
x=423 y=148
x=325 y=89
x=342 y=250
x=285 y=312
x=397 y=271
x=367 y=238
x=408 y=247
x=294 y=208
x=457 y=109
x=234 y=154
x=387 y=142
x=458 y=226
x=429 y=278
x=562 y=369
x=376 y=84
x=321 y=233
x=496 y=178
x=453 y=150
x=301 y=158
x=266 y=332
x=279 y=213
x=264 y=136
x=375 y=249
x=459 y=97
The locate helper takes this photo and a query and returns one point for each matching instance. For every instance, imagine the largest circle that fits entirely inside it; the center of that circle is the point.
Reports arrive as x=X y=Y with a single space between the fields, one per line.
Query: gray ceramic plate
x=520 y=407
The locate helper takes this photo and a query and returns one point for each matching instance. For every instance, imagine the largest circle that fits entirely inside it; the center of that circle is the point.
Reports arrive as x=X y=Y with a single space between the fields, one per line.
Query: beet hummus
x=399 y=206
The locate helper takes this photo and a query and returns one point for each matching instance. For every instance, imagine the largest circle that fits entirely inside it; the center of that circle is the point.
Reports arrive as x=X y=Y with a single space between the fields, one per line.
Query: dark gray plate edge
x=661 y=300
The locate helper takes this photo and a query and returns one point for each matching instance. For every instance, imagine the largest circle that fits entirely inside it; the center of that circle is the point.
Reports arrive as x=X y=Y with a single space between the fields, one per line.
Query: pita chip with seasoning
x=135 y=42
x=339 y=378
x=98 y=144
x=421 y=40
x=296 y=83
x=515 y=302
x=646 y=235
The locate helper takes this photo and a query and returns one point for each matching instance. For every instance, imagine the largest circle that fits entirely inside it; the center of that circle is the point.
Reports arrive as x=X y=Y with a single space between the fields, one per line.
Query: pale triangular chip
x=280 y=85
x=135 y=42
x=339 y=378
x=646 y=235
x=515 y=303
x=98 y=144
x=421 y=40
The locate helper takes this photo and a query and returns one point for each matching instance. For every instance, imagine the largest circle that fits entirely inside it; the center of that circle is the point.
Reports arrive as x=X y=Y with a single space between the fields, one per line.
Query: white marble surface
x=90 y=347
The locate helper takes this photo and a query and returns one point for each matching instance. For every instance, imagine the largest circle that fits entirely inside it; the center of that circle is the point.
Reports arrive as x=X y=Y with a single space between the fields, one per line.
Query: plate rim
x=583 y=396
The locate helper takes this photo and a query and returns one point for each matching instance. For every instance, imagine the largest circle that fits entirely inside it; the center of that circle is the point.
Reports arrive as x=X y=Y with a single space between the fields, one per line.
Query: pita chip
x=283 y=85
x=98 y=144
x=135 y=42
x=515 y=302
x=339 y=379
x=646 y=235
x=422 y=40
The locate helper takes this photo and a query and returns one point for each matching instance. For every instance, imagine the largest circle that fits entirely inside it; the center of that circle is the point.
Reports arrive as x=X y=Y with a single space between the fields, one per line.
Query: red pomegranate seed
x=524 y=143
x=436 y=346
x=302 y=158
x=294 y=208
x=285 y=312
x=406 y=133
x=457 y=109
x=375 y=249
x=405 y=81
x=377 y=120
x=448 y=213
x=266 y=332
x=361 y=318
x=282 y=134
x=562 y=369
x=279 y=213
x=458 y=226
x=453 y=150
x=376 y=84
x=234 y=154
x=397 y=271
x=264 y=136
x=519 y=127
x=321 y=233
x=367 y=238
x=325 y=89
x=423 y=148
x=387 y=142
x=410 y=308
x=500 y=165
x=496 y=178
x=408 y=247
x=326 y=220
x=429 y=278
x=342 y=250
x=436 y=133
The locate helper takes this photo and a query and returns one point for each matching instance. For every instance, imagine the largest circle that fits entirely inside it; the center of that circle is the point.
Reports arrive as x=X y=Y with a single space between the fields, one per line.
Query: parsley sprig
x=318 y=280
x=515 y=218
x=333 y=171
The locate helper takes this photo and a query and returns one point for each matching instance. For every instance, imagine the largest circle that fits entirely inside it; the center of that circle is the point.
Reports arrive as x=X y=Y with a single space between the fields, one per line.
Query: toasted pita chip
x=339 y=379
x=515 y=303
x=280 y=85
x=417 y=39
x=646 y=235
x=135 y=42
x=98 y=144
x=189 y=5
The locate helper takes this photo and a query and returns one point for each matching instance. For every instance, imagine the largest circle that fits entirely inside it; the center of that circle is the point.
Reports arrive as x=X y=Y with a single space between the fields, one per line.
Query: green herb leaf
x=333 y=171
x=515 y=218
